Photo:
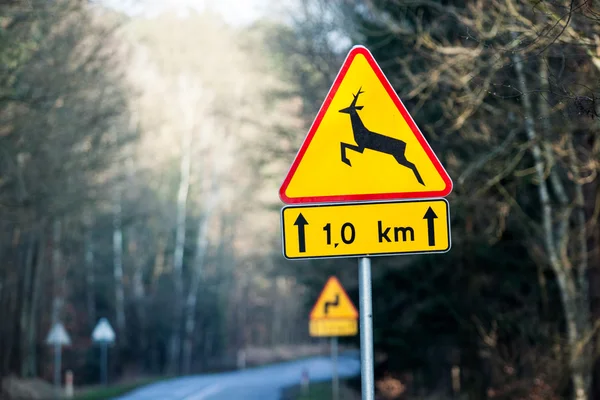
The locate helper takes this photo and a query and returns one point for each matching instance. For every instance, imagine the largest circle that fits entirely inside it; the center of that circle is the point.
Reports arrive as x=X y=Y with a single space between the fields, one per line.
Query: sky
x=235 y=12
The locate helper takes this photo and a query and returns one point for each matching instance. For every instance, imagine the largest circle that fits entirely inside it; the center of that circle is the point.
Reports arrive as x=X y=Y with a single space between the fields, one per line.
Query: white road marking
x=205 y=393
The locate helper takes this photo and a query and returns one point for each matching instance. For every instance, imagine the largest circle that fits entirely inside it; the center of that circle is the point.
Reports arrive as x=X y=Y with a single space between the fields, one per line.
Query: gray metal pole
x=334 y=362
x=366 y=329
x=104 y=362
x=57 y=368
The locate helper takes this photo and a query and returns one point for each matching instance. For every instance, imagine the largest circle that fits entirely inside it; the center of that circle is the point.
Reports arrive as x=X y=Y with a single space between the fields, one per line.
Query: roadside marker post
x=69 y=384
x=58 y=337
x=365 y=182
x=305 y=381
x=104 y=335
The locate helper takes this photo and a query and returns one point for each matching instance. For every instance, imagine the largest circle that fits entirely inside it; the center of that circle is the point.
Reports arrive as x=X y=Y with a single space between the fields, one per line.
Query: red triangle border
x=407 y=117
x=331 y=278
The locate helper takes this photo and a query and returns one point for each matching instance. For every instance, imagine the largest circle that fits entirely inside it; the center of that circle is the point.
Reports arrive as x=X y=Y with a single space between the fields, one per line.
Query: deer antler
x=356 y=97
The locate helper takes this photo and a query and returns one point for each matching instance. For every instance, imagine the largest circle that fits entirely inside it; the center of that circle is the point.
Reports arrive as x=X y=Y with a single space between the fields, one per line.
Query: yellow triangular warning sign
x=363 y=145
x=333 y=303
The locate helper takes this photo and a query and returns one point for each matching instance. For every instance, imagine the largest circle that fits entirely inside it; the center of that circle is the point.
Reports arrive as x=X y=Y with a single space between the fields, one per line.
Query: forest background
x=140 y=159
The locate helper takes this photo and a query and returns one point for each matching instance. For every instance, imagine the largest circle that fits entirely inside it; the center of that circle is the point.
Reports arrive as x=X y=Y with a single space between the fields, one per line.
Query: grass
x=109 y=392
x=319 y=391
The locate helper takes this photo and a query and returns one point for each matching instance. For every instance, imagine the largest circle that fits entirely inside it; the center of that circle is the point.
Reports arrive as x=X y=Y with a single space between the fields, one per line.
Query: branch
x=474 y=167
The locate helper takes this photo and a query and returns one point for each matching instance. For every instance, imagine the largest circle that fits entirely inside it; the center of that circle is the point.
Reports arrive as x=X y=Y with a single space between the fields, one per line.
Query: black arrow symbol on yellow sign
x=301 y=222
x=430 y=216
x=334 y=303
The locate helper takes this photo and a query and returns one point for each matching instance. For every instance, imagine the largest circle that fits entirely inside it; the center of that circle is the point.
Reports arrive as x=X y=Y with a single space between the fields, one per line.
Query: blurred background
x=143 y=143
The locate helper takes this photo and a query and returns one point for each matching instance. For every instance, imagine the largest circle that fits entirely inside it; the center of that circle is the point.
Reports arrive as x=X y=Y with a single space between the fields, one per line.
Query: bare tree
x=89 y=273
x=58 y=278
x=188 y=101
x=212 y=185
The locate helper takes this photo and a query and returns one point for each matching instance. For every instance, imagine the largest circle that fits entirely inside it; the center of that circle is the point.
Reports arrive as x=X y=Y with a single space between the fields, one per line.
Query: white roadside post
x=58 y=337
x=305 y=381
x=241 y=359
x=69 y=391
x=104 y=335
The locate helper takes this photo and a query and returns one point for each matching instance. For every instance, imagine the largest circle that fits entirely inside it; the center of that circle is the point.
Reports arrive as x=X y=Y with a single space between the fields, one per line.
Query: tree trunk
x=212 y=195
x=225 y=262
x=592 y=198
x=208 y=345
x=139 y=295
x=581 y=267
x=192 y=298
x=278 y=311
x=31 y=361
x=182 y=195
x=26 y=302
x=89 y=277
x=566 y=281
x=58 y=295
x=118 y=268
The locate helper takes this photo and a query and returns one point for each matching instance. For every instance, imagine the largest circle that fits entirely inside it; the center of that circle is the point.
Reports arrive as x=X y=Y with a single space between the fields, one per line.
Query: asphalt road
x=263 y=383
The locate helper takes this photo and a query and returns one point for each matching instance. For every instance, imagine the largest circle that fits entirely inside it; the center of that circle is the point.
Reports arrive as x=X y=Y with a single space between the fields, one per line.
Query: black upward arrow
x=430 y=216
x=300 y=223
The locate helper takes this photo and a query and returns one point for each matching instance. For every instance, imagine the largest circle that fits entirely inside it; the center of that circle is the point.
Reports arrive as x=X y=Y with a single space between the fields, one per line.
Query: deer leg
x=346 y=146
x=404 y=162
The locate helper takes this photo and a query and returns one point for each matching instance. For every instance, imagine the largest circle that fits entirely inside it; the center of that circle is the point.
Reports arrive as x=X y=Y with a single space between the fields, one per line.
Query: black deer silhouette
x=366 y=139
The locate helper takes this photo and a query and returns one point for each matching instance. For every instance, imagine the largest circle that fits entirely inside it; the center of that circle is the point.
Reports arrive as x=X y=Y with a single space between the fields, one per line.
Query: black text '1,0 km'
x=347 y=233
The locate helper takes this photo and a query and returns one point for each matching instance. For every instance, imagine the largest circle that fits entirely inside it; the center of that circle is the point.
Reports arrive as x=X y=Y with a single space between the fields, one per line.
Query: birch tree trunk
x=566 y=282
x=219 y=155
x=26 y=302
x=278 y=311
x=38 y=275
x=581 y=268
x=188 y=96
x=139 y=292
x=182 y=195
x=118 y=267
x=198 y=266
x=157 y=271
x=580 y=254
x=89 y=276
x=225 y=260
x=192 y=297
x=58 y=295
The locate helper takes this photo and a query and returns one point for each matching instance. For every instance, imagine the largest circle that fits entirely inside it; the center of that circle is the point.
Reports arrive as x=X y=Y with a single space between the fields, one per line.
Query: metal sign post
x=335 y=209
x=104 y=362
x=57 y=365
x=58 y=337
x=365 y=304
x=334 y=362
x=104 y=335
x=333 y=315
